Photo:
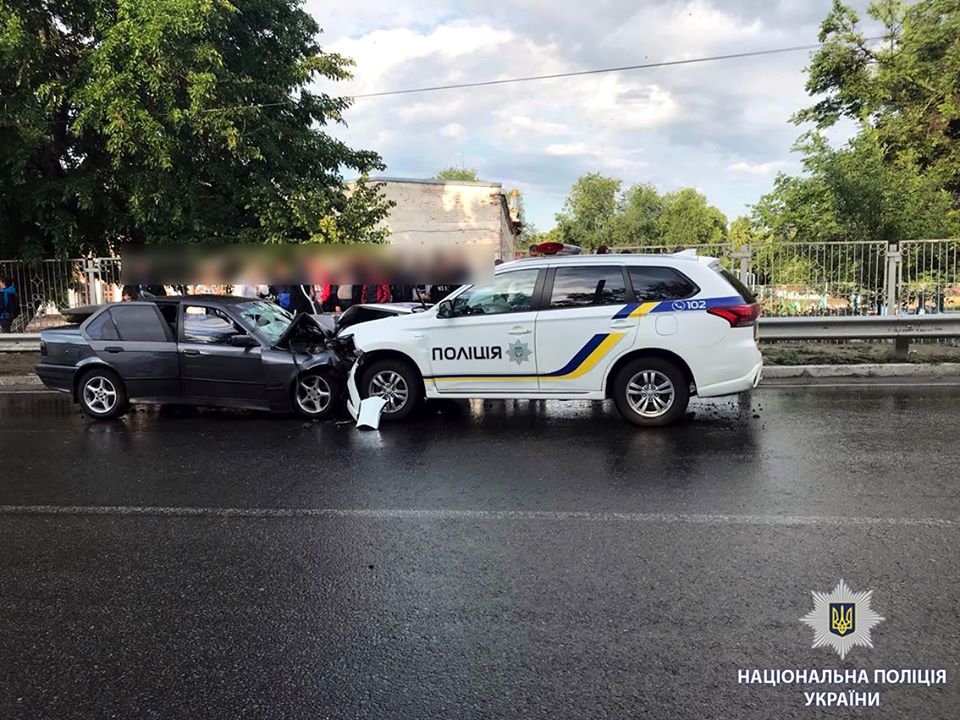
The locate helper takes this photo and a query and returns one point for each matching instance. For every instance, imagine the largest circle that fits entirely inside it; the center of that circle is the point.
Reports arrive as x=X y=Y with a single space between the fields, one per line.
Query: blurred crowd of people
x=316 y=298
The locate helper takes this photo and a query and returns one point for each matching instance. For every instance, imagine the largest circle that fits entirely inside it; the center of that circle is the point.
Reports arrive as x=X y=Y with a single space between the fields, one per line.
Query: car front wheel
x=316 y=396
x=651 y=392
x=102 y=395
x=397 y=383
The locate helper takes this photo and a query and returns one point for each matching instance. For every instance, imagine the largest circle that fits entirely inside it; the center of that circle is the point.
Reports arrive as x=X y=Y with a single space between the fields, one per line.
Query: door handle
x=113 y=349
x=520 y=331
x=191 y=351
x=623 y=324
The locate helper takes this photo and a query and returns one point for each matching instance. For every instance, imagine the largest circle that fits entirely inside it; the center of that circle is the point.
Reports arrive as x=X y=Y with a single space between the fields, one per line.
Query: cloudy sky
x=721 y=127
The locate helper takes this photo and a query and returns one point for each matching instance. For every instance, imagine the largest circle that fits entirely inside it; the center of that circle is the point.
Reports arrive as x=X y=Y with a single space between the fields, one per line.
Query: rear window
x=744 y=291
x=102 y=328
x=660 y=283
x=139 y=323
x=586 y=286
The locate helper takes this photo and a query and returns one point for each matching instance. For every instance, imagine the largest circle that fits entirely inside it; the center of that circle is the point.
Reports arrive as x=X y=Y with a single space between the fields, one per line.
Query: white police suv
x=645 y=330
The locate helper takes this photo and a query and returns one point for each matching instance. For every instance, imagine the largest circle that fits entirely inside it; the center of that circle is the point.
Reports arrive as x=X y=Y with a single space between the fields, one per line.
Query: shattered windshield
x=270 y=319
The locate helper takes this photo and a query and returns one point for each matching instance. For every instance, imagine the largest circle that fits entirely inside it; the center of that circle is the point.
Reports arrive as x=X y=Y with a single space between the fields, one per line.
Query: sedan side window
x=139 y=323
x=506 y=293
x=103 y=328
x=207 y=326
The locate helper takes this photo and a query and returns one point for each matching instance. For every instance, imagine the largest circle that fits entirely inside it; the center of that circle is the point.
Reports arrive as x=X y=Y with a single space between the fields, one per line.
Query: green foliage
x=859 y=192
x=743 y=232
x=637 y=218
x=597 y=213
x=687 y=219
x=588 y=211
x=456 y=173
x=172 y=121
x=906 y=87
x=899 y=177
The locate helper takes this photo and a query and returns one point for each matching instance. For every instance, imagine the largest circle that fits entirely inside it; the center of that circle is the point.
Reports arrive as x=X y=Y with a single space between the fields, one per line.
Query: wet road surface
x=517 y=560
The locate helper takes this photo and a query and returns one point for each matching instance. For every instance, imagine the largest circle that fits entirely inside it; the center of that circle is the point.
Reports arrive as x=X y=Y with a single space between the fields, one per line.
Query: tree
x=454 y=173
x=743 y=232
x=172 y=121
x=637 y=217
x=859 y=192
x=687 y=219
x=588 y=211
x=899 y=177
x=906 y=88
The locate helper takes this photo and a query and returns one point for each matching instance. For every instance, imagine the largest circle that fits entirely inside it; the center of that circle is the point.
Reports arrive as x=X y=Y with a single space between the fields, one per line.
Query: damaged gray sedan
x=201 y=350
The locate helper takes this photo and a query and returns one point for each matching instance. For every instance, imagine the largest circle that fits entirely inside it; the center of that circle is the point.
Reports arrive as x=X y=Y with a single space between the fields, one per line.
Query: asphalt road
x=518 y=560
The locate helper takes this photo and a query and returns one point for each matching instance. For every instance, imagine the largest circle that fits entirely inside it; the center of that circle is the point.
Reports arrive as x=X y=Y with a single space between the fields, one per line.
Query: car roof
x=222 y=299
x=624 y=258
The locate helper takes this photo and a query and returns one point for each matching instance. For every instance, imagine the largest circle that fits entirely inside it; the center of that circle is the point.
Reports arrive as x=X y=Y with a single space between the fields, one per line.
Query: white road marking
x=475 y=515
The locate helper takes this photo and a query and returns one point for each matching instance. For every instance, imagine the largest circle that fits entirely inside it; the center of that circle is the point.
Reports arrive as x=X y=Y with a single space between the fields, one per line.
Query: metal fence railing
x=46 y=286
x=928 y=278
x=819 y=278
x=843 y=278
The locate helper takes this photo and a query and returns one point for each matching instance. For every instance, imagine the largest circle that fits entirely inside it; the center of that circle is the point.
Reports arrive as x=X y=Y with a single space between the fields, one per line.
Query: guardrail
x=900 y=328
x=19 y=342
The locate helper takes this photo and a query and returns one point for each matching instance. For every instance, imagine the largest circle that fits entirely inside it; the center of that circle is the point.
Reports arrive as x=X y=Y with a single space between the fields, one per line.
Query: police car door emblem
x=519 y=352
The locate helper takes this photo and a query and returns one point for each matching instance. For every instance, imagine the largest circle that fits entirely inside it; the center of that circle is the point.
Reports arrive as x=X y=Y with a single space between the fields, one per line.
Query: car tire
x=102 y=394
x=651 y=392
x=398 y=382
x=316 y=395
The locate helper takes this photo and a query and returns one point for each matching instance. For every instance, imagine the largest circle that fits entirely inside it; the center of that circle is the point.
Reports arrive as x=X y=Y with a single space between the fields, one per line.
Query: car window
x=269 y=318
x=742 y=289
x=587 y=286
x=139 y=323
x=102 y=327
x=207 y=325
x=660 y=283
x=505 y=293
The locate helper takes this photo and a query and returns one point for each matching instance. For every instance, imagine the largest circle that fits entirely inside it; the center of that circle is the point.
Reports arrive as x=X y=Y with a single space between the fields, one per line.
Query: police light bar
x=554 y=248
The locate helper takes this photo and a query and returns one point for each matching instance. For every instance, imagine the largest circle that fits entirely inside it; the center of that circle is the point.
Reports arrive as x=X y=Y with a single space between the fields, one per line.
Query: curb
x=32 y=380
x=870 y=370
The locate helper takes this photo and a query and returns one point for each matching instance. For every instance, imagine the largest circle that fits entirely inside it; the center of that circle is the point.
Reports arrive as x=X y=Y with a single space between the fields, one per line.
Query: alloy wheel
x=390 y=385
x=650 y=393
x=99 y=394
x=313 y=394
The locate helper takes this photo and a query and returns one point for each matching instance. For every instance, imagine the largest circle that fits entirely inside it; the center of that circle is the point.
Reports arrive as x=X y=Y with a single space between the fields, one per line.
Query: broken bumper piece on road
x=367 y=411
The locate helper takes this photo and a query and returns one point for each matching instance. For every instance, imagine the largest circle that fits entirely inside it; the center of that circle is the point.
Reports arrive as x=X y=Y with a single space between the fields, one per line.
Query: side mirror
x=445 y=309
x=244 y=341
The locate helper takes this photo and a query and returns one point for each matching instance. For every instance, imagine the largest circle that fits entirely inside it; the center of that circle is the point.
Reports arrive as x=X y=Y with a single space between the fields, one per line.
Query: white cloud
x=566 y=149
x=720 y=125
x=379 y=54
x=522 y=123
x=743 y=167
x=452 y=130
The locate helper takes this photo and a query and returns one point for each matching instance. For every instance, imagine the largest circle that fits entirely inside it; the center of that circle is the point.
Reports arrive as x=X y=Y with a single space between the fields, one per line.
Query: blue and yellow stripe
x=635 y=310
x=586 y=358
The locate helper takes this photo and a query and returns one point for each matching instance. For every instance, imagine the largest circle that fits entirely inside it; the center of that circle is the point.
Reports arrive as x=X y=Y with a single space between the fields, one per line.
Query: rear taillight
x=738 y=315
